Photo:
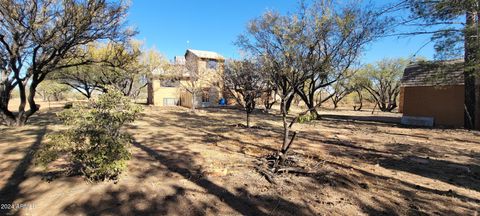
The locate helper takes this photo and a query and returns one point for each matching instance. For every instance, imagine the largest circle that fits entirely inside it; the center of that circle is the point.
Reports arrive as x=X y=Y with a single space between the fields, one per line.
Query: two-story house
x=195 y=77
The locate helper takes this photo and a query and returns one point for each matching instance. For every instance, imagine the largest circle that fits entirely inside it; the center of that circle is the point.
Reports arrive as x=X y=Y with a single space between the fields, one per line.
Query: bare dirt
x=202 y=163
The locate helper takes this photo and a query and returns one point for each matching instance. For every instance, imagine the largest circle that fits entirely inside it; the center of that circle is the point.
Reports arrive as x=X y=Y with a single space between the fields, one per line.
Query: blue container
x=222 y=102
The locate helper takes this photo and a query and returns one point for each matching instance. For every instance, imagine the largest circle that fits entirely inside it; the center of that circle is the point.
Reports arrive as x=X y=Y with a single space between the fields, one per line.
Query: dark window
x=169 y=83
x=212 y=64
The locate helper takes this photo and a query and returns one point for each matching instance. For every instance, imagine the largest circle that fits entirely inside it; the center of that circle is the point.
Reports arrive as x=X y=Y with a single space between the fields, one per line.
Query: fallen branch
x=295 y=170
x=265 y=173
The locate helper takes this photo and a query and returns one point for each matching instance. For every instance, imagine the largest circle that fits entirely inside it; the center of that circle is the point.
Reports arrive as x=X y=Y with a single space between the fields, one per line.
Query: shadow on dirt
x=11 y=191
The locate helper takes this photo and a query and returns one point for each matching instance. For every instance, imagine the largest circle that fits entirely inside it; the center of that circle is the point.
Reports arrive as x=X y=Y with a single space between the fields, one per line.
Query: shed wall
x=443 y=103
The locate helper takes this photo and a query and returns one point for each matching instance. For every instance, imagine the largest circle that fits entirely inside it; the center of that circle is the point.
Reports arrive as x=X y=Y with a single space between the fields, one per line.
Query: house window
x=205 y=97
x=169 y=83
x=212 y=64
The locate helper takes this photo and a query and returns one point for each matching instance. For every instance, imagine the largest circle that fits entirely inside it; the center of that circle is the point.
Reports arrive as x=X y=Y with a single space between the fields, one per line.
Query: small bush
x=307 y=118
x=68 y=105
x=94 y=144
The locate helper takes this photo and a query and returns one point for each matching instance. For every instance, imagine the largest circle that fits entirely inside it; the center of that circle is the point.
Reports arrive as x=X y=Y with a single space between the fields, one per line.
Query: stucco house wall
x=207 y=81
x=161 y=93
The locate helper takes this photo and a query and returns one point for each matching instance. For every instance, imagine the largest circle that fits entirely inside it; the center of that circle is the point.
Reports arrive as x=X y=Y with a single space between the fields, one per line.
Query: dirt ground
x=202 y=163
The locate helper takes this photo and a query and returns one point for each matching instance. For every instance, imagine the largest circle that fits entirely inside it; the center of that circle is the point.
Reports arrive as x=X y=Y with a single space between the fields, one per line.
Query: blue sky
x=173 y=26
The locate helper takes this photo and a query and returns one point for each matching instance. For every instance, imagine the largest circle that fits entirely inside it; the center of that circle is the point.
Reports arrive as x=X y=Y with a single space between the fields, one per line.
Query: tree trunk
x=288 y=104
x=373 y=110
x=20 y=118
x=8 y=120
x=287 y=142
x=194 y=99
x=17 y=120
x=469 y=71
x=283 y=150
x=248 y=119
x=360 y=101
x=314 y=112
x=150 y=92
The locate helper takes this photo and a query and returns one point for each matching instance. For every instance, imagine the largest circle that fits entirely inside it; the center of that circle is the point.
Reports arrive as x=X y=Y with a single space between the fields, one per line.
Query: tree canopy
x=309 y=49
x=38 y=37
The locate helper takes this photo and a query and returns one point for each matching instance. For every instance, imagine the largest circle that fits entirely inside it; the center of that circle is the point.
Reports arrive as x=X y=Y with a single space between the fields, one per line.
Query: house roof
x=205 y=54
x=434 y=73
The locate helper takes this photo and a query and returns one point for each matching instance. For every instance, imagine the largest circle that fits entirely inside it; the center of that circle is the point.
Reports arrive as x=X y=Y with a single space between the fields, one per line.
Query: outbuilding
x=432 y=94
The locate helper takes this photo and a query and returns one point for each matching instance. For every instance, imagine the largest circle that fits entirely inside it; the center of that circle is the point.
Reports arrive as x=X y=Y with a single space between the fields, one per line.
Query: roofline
x=418 y=63
x=190 y=50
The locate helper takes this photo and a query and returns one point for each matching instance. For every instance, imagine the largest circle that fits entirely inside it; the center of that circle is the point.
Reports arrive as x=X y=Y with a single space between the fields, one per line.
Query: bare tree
x=38 y=37
x=340 y=90
x=245 y=81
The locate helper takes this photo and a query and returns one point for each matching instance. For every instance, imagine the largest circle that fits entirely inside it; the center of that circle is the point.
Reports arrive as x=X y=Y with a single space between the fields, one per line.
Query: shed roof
x=434 y=73
x=205 y=54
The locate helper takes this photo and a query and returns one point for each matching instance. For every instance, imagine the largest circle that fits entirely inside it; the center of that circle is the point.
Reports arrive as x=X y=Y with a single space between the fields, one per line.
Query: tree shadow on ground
x=463 y=175
x=405 y=158
x=243 y=203
x=132 y=201
x=11 y=190
x=363 y=119
x=390 y=196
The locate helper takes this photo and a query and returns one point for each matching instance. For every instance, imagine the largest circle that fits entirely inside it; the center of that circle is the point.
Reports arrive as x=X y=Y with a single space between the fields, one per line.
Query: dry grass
x=188 y=163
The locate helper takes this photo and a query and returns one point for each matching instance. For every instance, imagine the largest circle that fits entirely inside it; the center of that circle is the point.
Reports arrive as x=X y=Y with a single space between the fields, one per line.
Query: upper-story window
x=212 y=64
x=169 y=83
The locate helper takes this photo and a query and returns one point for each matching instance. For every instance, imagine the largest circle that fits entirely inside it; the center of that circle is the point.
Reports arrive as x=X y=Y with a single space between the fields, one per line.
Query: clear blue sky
x=214 y=24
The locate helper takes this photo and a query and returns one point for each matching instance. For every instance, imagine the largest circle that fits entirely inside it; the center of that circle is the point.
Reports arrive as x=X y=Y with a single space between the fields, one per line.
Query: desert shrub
x=307 y=118
x=68 y=105
x=94 y=144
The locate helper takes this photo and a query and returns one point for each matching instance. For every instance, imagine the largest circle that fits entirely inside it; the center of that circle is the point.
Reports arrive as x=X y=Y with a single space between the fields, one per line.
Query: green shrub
x=94 y=144
x=307 y=118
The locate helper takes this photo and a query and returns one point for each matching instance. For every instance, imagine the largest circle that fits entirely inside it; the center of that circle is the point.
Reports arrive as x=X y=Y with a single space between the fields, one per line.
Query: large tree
x=291 y=48
x=50 y=89
x=336 y=36
x=279 y=42
x=340 y=90
x=40 y=36
x=121 y=68
x=113 y=64
x=127 y=67
x=453 y=26
x=382 y=82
